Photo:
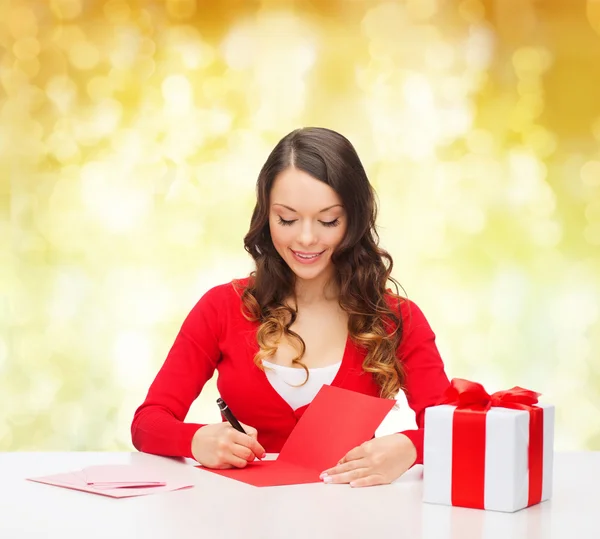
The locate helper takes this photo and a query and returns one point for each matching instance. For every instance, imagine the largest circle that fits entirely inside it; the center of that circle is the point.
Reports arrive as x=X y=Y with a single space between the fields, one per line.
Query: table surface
x=222 y=508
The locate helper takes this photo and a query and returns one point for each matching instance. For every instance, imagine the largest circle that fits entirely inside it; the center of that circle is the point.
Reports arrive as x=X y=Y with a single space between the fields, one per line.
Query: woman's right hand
x=220 y=446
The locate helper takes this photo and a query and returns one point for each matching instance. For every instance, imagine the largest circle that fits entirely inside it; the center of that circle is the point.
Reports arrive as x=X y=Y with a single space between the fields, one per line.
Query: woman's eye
x=335 y=222
x=286 y=223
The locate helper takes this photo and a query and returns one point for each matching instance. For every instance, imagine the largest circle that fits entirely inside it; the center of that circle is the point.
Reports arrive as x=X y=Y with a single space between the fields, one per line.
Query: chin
x=308 y=274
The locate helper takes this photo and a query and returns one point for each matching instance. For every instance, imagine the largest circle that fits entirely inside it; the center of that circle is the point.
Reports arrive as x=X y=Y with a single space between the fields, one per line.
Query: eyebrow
x=320 y=211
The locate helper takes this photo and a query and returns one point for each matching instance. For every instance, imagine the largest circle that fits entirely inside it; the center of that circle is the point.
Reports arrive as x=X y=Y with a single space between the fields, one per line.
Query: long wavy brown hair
x=363 y=269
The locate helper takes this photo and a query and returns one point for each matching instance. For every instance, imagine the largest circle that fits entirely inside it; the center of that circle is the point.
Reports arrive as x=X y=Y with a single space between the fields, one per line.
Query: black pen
x=229 y=416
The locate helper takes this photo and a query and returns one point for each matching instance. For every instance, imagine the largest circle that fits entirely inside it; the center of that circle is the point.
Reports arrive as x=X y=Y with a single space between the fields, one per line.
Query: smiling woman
x=313 y=239
x=318 y=301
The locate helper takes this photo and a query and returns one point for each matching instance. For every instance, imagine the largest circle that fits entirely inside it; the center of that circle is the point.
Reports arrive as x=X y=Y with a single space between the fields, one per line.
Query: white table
x=217 y=507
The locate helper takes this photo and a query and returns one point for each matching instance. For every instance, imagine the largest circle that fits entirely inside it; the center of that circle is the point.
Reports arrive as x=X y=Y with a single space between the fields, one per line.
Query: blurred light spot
x=458 y=306
x=68 y=35
x=456 y=120
x=479 y=47
x=132 y=357
x=418 y=93
x=177 y=93
x=70 y=421
x=147 y=47
x=480 y=141
x=43 y=390
x=509 y=292
x=30 y=67
x=470 y=219
x=3 y=354
x=181 y=9
x=196 y=55
x=474 y=344
x=26 y=48
x=101 y=121
x=596 y=129
x=574 y=309
x=526 y=110
x=70 y=290
x=421 y=9
x=592 y=211
x=140 y=296
x=107 y=195
x=21 y=21
x=384 y=20
x=129 y=143
x=471 y=11
x=62 y=92
x=540 y=140
x=63 y=146
x=66 y=9
x=530 y=61
x=543 y=203
x=432 y=232
x=219 y=121
x=593 y=14
x=6 y=437
x=452 y=88
x=13 y=83
x=440 y=56
x=117 y=11
x=274 y=43
x=590 y=173
x=84 y=55
x=529 y=86
x=546 y=233
x=99 y=88
x=124 y=52
x=592 y=233
x=528 y=174
x=573 y=351
x=144 y=68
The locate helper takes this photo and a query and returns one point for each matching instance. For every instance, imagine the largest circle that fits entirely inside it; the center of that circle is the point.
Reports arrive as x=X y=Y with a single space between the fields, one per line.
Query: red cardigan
x=215 y=335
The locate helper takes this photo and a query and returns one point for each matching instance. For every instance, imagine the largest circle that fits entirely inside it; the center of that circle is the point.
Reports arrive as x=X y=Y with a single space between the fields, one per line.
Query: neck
x=316 y=290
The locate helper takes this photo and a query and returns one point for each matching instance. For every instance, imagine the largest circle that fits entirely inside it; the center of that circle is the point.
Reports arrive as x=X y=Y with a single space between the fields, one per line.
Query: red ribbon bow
x=471 y=395
x=472 y=403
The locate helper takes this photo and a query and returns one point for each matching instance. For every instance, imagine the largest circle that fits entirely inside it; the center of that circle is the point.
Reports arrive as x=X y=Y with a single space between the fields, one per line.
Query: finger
x=243 y=452
x=358 y=452
x=346 y=467
x=346 y=477
x=249 y=442
x=250 y=431
x=234 y=460
x=368 y=481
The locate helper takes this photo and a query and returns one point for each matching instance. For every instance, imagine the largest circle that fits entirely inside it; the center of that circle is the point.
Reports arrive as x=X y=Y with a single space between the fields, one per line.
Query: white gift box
x=506 y=470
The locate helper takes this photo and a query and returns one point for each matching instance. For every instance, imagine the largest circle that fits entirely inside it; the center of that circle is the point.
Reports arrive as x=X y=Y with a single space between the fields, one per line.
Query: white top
x=289 y=382
x=220 y=507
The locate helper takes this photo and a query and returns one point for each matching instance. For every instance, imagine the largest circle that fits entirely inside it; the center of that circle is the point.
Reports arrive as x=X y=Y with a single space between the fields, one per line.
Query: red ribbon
x=472 y=402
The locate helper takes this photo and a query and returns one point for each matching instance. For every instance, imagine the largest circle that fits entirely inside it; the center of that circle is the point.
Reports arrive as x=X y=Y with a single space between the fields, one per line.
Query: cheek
x=279 y=234
x=337 y=235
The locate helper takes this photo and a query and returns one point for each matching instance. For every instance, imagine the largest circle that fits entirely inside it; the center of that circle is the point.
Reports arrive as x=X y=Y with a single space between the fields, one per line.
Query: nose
x=307 y=234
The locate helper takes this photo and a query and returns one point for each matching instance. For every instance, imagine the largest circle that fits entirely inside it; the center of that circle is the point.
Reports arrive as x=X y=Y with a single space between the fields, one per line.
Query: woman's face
x=307 y=223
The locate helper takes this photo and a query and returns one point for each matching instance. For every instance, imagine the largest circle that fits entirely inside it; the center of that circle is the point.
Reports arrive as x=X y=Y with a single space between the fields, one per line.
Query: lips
x=306 y=257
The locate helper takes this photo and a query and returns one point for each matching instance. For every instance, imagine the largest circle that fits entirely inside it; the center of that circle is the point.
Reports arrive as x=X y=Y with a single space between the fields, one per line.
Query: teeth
x=307 y=256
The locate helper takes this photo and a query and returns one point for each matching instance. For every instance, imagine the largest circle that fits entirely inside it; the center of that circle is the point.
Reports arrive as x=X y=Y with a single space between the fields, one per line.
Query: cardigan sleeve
x=425 y=378
x=158 y=424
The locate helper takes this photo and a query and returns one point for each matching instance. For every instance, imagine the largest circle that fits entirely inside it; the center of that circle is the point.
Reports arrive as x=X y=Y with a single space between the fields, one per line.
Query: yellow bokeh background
x=132 y=133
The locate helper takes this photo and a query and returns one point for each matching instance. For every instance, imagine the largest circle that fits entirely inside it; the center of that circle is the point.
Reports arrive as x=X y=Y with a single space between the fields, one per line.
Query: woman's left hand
x=376 y=462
